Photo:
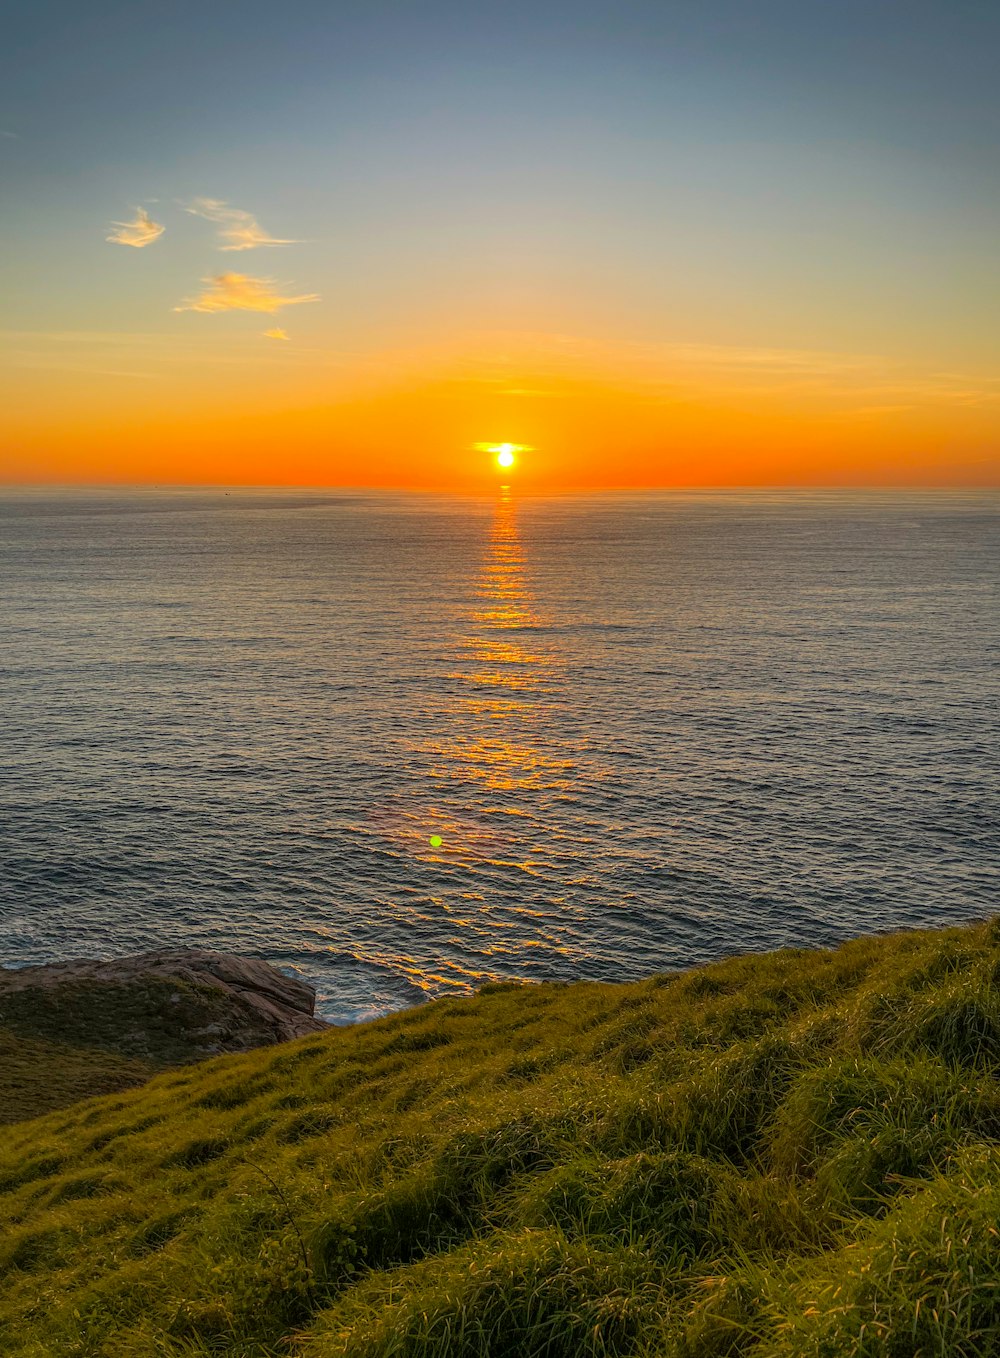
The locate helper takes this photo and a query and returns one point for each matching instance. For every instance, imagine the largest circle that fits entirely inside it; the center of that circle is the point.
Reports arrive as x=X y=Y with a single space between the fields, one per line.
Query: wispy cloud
x=673 y=370
x=238 y=230
x=238 y=292
x=142 y=230
x=11 y=136
x=276 y=334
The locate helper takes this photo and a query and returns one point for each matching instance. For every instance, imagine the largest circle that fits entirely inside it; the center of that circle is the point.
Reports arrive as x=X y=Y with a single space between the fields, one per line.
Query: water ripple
x=647 y=731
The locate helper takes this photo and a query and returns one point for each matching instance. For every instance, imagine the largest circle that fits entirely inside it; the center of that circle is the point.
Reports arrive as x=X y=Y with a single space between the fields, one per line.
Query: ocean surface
x=648 y=730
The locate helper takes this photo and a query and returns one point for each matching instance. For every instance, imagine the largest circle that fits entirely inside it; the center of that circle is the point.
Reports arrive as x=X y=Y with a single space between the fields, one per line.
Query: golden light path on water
x=495 y=749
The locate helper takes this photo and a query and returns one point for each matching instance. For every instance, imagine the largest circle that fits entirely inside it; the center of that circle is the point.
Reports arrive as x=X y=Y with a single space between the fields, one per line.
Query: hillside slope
x=73 y=1029
x=779 y=1156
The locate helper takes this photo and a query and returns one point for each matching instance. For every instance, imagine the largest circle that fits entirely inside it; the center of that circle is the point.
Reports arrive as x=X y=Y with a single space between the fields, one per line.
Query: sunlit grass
x=780 y=1156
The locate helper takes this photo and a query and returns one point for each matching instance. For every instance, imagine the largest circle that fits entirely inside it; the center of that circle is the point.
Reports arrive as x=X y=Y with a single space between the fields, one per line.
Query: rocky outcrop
x=168 y=1006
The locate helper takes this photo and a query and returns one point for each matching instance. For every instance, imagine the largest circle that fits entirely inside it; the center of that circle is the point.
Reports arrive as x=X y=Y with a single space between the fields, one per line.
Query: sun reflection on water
x=497 y=754
x=505 y=678
x=493 y=760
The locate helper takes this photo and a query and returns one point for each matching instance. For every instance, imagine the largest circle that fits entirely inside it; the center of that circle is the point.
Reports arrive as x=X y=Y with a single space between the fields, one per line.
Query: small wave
x=350 y=989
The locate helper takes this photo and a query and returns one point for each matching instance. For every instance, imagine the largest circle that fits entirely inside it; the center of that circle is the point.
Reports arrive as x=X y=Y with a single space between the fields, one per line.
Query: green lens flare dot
x=436 y=841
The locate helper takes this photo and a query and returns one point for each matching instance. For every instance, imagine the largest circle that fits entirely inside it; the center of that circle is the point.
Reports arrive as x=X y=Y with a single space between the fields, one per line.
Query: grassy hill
x=69 y=1030
x=779 y=1156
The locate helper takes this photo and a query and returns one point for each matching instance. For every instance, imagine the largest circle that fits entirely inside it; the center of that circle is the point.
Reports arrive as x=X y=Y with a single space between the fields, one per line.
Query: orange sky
x=591 y=415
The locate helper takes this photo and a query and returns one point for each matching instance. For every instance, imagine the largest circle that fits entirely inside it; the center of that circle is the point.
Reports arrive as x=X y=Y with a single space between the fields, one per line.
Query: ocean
x=647 y=730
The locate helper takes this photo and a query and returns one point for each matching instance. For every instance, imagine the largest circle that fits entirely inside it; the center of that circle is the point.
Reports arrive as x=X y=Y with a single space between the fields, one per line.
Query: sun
x=505 y=455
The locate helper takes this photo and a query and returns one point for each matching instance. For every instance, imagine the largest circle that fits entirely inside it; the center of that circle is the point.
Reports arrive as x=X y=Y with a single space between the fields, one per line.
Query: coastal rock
x=168 y=1006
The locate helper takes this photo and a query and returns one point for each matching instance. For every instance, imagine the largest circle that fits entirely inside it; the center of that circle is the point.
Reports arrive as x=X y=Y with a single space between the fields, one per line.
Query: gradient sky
x=664 y=243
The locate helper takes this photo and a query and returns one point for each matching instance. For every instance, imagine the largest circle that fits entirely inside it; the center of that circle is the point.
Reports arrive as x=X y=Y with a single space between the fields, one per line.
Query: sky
x=663 y=243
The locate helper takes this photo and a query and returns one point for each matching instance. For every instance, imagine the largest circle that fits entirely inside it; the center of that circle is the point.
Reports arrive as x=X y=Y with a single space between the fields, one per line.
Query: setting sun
x=504 y=453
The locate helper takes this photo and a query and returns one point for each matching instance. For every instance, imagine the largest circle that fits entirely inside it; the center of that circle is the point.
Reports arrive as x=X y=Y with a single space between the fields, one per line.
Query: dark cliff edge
x=72 y=1029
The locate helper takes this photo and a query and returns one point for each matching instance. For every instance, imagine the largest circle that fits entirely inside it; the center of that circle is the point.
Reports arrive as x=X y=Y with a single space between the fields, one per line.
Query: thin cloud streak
x=142 y=230
x=276 y=334
x=171 y=347
x=239 y=292
x=745 y=370
x=238 y=230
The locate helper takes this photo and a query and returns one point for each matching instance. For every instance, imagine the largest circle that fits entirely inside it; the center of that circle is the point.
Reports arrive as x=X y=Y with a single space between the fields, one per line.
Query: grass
x=38 y=1074
x=60 y=1044
x=788 y=1156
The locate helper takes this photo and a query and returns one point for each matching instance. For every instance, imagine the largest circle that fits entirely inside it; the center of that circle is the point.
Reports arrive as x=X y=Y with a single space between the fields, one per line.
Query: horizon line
x=468 y=488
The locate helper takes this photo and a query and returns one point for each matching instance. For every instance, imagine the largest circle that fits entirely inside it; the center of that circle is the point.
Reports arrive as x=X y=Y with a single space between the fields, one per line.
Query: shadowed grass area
x=61 y=1043
x=38 y=1074
x=779 y=1156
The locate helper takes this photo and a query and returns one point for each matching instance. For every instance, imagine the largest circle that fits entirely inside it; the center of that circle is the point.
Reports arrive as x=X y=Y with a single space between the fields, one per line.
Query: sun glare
x=505 y=454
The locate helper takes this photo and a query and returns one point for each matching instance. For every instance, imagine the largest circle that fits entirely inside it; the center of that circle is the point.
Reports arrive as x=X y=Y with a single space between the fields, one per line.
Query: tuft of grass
x=533 y=1293
x=794 y=1155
